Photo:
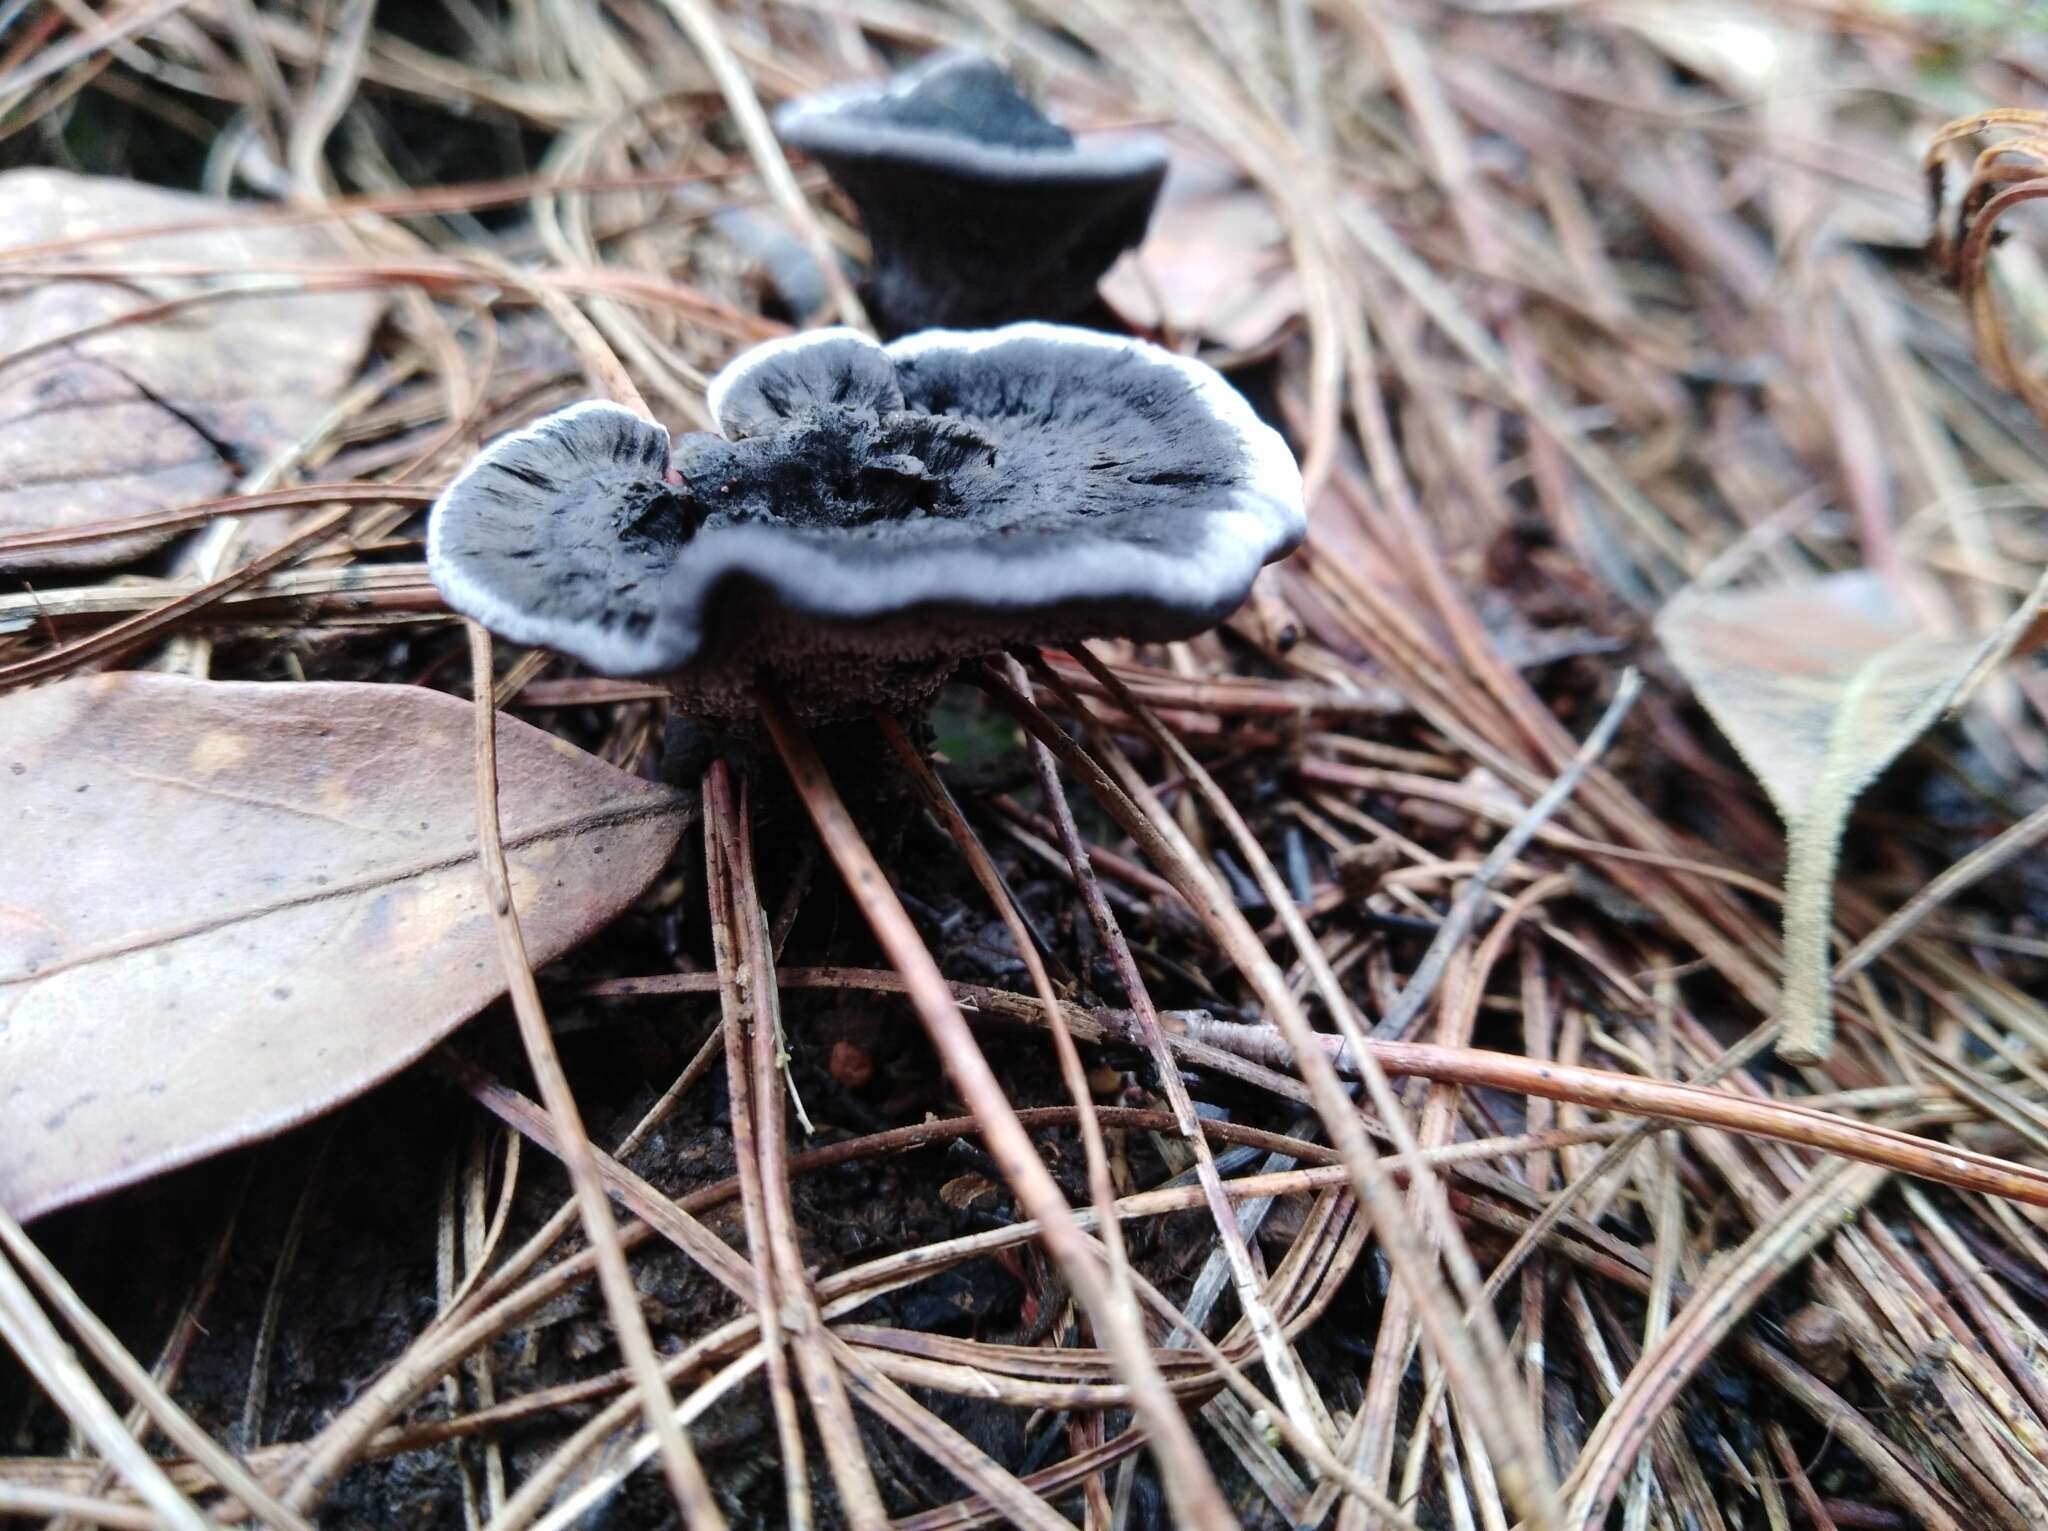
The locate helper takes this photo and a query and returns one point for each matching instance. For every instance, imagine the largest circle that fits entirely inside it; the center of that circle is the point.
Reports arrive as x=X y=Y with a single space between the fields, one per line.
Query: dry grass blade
x=735 y=1028
x=1979 y=864
x=76 y=50
x=1740 y=1279
x=968 y=1463
x=1820 y=686
x=1477 y=1363
x=1073 y=1073
x=2003 y=176
x=1783 y=1121
x=16 y=543
x=753 y=1015
x=34 y=1340
x=1309 y=1416
x=1562 y=309
x=685 y=1476
x=1189 y=1484
x=665 y=1216
x=1458 y=923
x=108 y=1351
x=123 y=637
x=1334 y=1470
x=702 y=27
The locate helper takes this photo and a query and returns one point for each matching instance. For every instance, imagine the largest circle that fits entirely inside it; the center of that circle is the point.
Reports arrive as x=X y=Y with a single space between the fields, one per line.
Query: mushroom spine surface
x=869 y=516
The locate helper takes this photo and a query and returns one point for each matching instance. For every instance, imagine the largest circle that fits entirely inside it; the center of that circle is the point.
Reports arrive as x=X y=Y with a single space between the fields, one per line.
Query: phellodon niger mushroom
x=873 y=515
x=978 y=208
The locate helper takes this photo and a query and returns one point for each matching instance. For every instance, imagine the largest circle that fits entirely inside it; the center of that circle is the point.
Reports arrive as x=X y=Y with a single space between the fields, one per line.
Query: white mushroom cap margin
x=1178 y=579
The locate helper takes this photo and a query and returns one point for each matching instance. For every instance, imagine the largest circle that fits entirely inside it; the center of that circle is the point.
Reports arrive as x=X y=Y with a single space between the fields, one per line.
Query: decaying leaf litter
x=1564 y=314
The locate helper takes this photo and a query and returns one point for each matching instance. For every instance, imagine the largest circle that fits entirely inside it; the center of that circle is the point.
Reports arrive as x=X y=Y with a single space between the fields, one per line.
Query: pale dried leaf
x=173 y=409
x=1214 y=263
x=228 y=907
x=1820 y=686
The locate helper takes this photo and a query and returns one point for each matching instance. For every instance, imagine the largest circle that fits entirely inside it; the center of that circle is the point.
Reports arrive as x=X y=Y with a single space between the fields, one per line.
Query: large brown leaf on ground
x=226 y=907
x=171 y=409
x=1819 y=686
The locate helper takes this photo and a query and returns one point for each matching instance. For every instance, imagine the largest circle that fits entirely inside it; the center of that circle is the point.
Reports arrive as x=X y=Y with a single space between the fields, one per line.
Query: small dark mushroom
x=871 y=516
x=979 y=208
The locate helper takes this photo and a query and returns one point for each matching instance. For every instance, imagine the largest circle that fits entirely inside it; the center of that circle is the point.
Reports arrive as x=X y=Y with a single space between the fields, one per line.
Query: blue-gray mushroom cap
x=978 y=207
x=870 y=515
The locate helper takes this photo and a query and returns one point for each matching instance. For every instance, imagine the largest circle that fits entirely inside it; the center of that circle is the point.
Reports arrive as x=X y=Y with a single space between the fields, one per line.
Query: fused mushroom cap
x=978 y=207
x=872 y=515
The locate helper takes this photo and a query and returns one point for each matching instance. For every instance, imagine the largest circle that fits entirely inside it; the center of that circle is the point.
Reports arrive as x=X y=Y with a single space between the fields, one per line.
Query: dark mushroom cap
x=979 y=208
x=872 y=515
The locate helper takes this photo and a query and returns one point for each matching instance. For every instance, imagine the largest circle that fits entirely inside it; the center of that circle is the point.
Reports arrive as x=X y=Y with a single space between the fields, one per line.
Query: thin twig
x=622 y=1299
x=1473 y=896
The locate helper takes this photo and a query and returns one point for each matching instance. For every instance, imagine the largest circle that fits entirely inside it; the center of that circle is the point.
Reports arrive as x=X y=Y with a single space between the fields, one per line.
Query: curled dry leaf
x=2006 y=174
x=1820 y=686
x=227 y=907
x=172 y=408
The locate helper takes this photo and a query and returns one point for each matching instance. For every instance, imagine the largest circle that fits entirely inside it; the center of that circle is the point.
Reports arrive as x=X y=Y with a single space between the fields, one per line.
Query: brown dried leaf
x=226 y=907
x=169 y=410
x=1820 y=686
x=1214 y=263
